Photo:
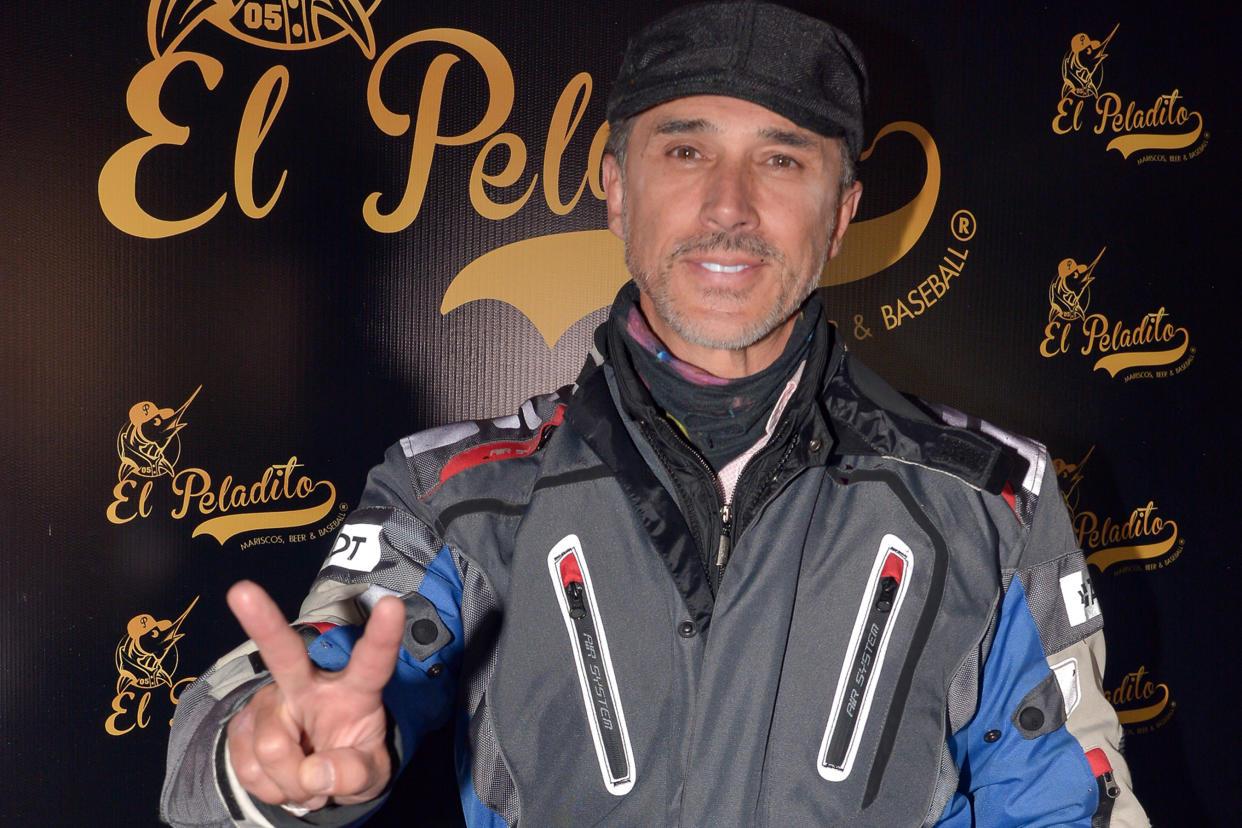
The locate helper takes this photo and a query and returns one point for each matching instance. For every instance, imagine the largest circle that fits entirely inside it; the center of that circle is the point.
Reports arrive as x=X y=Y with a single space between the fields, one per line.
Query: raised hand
x=313 y=736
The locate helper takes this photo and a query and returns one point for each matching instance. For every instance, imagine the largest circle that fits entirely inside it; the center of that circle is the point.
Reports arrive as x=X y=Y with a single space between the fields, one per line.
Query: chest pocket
x=600 y=696
x=878 y=614
x=858 y=725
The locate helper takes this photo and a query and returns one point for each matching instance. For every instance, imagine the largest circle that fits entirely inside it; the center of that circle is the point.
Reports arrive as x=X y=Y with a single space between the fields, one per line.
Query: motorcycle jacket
x=880 y=618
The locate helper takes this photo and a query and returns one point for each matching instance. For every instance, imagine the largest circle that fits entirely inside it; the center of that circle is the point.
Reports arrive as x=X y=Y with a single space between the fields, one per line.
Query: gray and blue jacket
x=882 y=619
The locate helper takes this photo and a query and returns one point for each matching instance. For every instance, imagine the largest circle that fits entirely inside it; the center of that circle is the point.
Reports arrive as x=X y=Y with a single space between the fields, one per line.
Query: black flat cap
x=783 y=60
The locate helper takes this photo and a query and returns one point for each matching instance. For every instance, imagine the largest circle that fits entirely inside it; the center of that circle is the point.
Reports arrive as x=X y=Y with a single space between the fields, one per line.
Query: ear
x=846 y=208
x=614 y=194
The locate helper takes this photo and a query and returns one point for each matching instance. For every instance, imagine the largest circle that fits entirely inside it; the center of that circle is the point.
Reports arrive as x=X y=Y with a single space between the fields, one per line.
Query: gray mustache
x=729 y=243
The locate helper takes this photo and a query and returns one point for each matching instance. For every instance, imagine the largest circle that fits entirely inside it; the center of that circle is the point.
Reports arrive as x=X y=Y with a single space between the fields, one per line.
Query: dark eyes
x=689 y=153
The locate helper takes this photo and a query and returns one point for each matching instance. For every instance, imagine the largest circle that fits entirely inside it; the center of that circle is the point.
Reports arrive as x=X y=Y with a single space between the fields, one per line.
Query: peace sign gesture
x=313 y=736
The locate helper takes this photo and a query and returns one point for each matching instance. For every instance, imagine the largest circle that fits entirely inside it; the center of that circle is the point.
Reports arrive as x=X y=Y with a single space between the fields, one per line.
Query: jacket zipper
x=655 y=444
x=725 y=539
x=725 y=548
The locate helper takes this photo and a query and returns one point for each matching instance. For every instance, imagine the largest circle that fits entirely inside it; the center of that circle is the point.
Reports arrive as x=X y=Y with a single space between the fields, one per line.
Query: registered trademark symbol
x=962 y=225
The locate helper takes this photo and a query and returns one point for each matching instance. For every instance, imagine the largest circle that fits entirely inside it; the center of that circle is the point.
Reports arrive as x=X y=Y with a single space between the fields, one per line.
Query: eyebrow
x=784 y=136
x=678 y=126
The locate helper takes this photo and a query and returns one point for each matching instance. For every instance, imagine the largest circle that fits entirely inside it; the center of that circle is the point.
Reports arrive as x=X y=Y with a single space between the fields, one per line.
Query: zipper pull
x=890 y=580
x=1111 y=789
x=884 y=595
x=722 y=551
x=574 y=592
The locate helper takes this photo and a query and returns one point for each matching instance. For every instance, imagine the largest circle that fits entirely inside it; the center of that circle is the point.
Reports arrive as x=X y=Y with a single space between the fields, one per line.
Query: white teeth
x=715 y=267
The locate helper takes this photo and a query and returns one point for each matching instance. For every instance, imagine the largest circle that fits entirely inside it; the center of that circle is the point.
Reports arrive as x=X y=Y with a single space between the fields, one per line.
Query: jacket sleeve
x=381 y=549
x=1043 y=747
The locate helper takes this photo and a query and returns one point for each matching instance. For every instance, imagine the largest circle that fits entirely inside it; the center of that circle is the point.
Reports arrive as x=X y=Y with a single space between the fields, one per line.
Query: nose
x=728 y=203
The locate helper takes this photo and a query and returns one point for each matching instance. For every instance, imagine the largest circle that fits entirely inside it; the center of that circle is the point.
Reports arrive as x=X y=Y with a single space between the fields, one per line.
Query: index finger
x=375 y=655
x=282 y=649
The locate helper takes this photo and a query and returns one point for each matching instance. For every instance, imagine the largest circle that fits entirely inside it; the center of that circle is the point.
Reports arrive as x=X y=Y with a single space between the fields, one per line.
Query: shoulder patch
x=957 y=454
x=357 y=547
x=498 y=450
x=435 y=455
x=1081 y=602
x=873 y=418
x=1021 y=490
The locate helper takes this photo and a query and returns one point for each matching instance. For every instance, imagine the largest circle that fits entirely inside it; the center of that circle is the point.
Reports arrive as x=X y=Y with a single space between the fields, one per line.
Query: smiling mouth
x=716 y=267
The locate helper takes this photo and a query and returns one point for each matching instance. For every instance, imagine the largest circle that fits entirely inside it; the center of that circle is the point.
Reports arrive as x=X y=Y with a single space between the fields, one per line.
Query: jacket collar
x=825 y=360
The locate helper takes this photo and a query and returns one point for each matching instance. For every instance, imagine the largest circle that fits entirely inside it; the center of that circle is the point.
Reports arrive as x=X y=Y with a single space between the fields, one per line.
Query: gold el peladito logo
x=146 y=660
x=1159 y=131
x=1145 y=540
x=148 y=445
x=1153 y=348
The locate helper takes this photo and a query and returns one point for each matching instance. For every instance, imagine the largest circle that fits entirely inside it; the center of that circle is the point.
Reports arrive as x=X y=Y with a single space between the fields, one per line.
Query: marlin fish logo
x=1071 y=476
x=1080 y=68
x=285 y=24
x=148 y=444
x=147 y=656
x=1069 y=293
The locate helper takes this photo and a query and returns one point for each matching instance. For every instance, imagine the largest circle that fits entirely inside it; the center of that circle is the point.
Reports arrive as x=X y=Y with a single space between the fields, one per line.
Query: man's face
x=728 y=212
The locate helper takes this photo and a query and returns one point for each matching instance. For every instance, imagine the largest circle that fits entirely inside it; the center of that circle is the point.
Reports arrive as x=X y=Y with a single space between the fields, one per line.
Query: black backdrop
x=308 y=323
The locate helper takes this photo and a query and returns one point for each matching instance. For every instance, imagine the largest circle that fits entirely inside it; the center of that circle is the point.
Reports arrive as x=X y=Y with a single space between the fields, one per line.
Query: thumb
x=347 y=775
x=317 y=775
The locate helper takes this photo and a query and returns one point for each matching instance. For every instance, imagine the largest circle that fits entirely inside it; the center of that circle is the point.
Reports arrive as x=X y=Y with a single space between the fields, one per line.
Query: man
x=727 y=578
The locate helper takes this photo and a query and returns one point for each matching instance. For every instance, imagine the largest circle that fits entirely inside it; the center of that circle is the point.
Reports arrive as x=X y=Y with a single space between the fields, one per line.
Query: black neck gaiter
x=720 y=417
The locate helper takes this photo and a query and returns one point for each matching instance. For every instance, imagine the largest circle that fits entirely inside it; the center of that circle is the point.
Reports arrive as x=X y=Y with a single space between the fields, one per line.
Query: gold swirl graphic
x=1145 y=714
x=1135 y=359
x=1129 y=144
x=1104 y=558
x=544 y=278
x=226 y=526
x=875 y=244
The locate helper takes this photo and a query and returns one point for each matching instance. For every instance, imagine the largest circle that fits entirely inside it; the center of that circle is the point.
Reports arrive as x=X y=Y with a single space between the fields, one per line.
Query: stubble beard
x=794 y=288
